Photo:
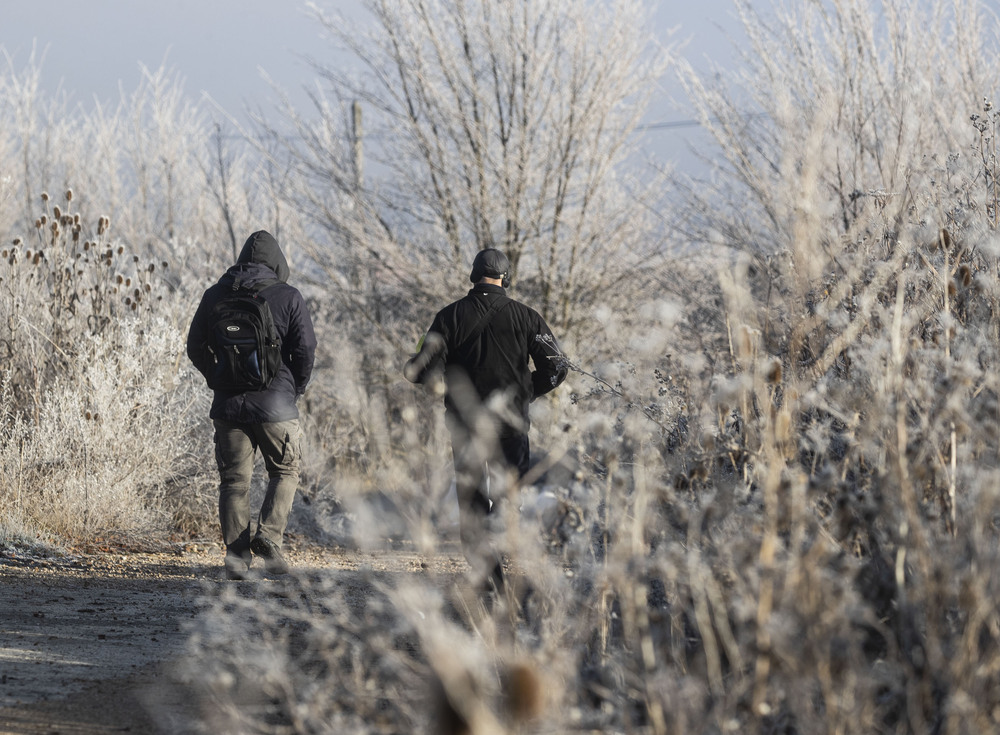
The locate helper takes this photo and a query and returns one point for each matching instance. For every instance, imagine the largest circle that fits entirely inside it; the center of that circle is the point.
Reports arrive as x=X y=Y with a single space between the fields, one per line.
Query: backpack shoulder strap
x=256 y=287
x=484 y=320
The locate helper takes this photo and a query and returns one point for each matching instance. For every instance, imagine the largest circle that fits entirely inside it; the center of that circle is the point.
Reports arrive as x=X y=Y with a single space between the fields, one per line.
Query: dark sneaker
x=237 y=567
x=274 y=560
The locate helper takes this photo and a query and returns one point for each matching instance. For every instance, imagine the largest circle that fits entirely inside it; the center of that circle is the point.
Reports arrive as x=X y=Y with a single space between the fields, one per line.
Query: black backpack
x=244 y=348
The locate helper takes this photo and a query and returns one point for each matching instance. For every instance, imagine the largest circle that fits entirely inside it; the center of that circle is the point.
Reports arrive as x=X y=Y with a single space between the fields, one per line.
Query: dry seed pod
x=45 y=196
x=965 y=275
x=56 y=212
x=69 y=195
x=522 y=693
x=773 y=371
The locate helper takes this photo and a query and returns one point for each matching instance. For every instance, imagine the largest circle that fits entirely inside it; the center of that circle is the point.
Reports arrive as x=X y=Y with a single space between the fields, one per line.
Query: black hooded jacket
x=261 y=259
x=497 y=360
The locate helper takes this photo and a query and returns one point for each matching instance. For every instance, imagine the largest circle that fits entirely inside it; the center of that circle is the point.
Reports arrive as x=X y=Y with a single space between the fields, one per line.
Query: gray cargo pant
x=235 y=447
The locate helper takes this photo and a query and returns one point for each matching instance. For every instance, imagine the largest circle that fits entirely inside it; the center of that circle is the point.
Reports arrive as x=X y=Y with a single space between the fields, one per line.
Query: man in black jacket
x=266 y=419
x=482 y=344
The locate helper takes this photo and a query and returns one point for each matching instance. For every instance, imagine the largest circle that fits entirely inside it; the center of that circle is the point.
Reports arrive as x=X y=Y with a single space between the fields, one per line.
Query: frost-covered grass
x=783 y=466
x=99 y=410
x=771 y=501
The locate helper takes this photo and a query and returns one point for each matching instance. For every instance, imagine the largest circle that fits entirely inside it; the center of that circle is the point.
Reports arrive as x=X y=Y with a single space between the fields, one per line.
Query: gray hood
x=261 y=247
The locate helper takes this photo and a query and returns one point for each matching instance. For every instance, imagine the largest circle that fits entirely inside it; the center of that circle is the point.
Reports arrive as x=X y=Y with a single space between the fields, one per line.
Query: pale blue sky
x=90 y=47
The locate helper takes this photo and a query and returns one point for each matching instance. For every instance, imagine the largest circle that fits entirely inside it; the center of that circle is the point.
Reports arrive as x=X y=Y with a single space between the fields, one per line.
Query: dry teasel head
x=772 y=372
x=119 y=279
x=523 y=692
x=964 y=275
x=121 y=249
x=128 y=281
x=38 y=224
x=69 y=195
x=45 y=196
x=17 y=241
x=57 y=212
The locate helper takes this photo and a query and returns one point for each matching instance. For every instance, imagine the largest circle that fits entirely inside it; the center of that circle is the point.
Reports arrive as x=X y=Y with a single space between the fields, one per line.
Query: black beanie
x=489 y=263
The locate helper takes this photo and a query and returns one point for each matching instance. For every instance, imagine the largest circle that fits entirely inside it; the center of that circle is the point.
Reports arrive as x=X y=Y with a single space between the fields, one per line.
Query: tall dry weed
x=775 y=505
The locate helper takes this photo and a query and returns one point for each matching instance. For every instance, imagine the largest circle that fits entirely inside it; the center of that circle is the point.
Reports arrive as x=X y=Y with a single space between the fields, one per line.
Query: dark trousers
x=487 y=468
x=235 y=447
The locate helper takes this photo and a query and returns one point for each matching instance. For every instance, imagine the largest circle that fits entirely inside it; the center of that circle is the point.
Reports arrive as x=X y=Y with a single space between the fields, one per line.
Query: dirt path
x=84 y=642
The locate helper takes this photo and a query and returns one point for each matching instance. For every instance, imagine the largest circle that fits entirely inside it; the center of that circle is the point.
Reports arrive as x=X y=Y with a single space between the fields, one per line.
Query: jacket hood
x=261 y=247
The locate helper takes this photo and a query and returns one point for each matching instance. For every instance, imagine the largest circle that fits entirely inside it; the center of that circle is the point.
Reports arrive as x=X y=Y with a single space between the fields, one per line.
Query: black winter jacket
x=261 y=259
x=496 y=360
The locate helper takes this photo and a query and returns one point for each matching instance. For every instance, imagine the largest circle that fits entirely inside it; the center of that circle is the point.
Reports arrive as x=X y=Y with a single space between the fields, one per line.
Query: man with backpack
x=481 y=346
x=252 y=338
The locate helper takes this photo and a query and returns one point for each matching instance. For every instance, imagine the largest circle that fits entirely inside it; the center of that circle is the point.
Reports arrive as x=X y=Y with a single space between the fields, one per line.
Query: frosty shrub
x=177 y=183
x=98 y=404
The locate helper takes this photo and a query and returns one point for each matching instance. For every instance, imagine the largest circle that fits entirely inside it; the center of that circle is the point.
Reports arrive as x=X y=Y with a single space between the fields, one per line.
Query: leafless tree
x=475 y=124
